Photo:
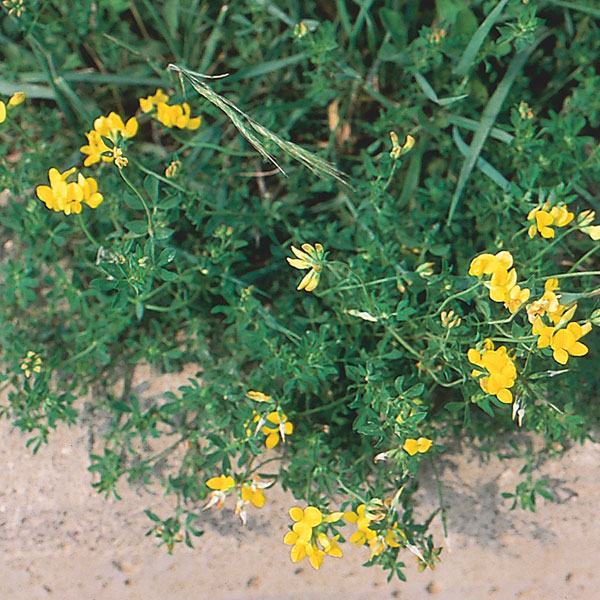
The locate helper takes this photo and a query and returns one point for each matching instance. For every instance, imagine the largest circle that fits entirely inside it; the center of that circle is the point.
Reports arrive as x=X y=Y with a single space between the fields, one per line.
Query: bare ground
x=60 y=540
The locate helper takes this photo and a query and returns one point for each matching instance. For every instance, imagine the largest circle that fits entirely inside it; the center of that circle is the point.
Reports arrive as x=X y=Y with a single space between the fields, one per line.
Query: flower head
x=32 y=363
x=220 y=486
x=545 y=218
x=104 y=141
x=565 y=342
x=69 y=196
x=413 y=446
x=500 y=371
x=310 y=257
x=282 y=428
x=308 y=539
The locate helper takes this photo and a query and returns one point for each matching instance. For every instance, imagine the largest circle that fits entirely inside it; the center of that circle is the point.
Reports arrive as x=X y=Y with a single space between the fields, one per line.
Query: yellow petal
x=296 y=513
x=410 y=446
x=312 y=516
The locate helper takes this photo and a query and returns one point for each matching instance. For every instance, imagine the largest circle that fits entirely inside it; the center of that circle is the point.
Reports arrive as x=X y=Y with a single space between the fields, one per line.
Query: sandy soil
x=60 y=540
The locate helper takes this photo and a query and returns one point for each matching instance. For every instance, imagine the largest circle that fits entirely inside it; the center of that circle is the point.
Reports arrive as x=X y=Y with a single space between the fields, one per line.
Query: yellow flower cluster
x=170 y=115
x=376 y=539
x=397 y=150
x=32 y=363
x=250 y=492
x=503 y=282
x=108 y=129
x=282 y=428
x=69 y=196
x=310 y=257
x=15 y=100
x=307 y=537
x=500 y=371
x=562 y=336
x=545 y=218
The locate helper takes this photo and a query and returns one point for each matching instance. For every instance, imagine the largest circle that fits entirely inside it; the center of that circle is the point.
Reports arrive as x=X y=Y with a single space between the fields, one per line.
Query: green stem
x=440 y=496
x=86 y=231
x=141 y=198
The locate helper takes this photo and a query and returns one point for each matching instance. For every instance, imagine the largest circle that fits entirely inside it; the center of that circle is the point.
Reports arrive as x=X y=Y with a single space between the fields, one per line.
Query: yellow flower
x=253 y=494
x=503 y=282
x=397 y=150
x=16 y=99
x=542 y=330
x=221 y=483
x=32 y=363
x=308 y=258
x=258 y=396
x=413 y=446
x=306 y=541
x=2 y=112
x=486 y=264
x=148 y=103
x=176 y=115
x=112 y=125
x=284 y=427
x=250 y=493
x=96 y=149
x=501 y=371
x=545 y=218
x=516 y=298
x=68 y=196
x=364 y=533
x=565 y=342
x=584 y=222
x=112 y=129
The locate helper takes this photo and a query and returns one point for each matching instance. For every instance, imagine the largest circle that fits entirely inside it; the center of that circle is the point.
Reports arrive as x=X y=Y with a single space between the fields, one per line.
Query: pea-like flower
x=310 y=257
x=413 y=446
x=545 y=218
x=503 y=282
x=220 y=486
x=15 y=100
x=170 y=115
x=282 y=428
x=500 y=371
x=307 y=539
x=69 y=196
x=104 y=141
x=565 y=342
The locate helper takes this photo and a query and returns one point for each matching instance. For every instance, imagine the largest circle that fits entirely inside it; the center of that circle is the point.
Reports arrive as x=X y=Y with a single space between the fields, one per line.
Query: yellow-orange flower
x=545 y=218
x=69 y=196
x=413 y=446
x=283 y=428
x=500 y=371
x=108 y=129
x=310 y=257
x=565 y=342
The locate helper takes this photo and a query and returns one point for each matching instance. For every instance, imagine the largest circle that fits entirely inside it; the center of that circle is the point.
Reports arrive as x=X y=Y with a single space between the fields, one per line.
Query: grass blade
x=469 y=56
x=248 y=127
x=488 y=119
x=483 y=165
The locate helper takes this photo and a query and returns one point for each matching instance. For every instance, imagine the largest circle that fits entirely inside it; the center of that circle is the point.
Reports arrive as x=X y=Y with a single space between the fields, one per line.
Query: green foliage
x=184 y=261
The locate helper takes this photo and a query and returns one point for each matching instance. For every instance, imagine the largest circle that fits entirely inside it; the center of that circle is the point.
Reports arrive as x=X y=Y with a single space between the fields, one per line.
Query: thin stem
x=141 y=198
x=86 y=231
x=440 y=496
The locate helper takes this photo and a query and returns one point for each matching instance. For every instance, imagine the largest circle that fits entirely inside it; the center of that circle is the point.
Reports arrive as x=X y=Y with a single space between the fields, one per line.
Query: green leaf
x=488 y=118
x=469 y=56
x=395 y=23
